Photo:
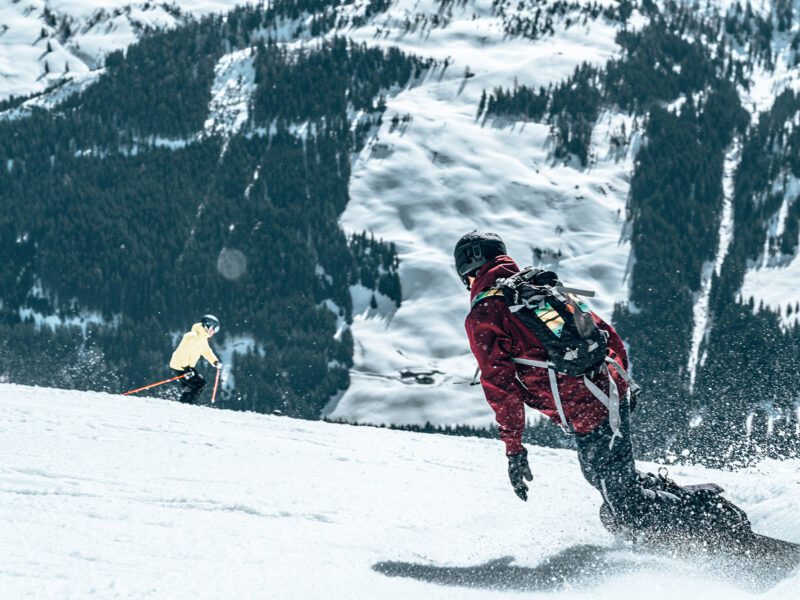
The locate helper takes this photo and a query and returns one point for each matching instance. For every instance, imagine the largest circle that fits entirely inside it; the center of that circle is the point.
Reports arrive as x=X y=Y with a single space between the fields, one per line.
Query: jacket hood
x=501 y=266
x=200 y=330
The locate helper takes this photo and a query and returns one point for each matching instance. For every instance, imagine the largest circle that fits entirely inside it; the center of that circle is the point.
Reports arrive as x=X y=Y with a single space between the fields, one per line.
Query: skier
x=502 y=343
x=194 y=344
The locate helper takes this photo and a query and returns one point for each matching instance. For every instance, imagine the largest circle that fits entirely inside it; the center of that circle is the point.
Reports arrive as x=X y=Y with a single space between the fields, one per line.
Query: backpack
x=564 y=325
x=557 y=316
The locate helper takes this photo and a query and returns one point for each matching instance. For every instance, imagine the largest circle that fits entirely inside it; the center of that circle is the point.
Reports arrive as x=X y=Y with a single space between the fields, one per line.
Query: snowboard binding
x=688 y=518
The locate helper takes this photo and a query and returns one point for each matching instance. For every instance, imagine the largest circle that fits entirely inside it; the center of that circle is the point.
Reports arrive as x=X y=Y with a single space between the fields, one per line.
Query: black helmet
x=474 y=250
x=210 y=322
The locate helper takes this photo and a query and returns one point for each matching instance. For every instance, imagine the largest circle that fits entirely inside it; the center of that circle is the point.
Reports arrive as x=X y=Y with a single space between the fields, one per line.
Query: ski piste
x=132 y=496
x=586 y=566
x=748 y=560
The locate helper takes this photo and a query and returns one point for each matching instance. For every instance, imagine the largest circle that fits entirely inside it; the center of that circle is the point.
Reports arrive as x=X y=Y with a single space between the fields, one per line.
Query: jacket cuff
x=513 y=447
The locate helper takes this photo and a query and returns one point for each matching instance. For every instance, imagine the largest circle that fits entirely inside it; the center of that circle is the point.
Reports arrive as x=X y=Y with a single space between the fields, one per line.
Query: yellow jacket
x=193 y=345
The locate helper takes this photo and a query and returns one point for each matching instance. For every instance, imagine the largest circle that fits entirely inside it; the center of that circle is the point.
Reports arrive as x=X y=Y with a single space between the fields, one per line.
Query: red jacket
x=495 y=336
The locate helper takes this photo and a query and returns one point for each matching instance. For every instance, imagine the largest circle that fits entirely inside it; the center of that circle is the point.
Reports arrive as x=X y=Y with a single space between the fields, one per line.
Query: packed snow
x=424 y=182
x=107 y=496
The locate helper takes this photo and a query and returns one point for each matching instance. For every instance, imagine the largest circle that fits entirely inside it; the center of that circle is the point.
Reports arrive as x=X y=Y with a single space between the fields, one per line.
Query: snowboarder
x=194 y=344
x=534 y=338
x=503 y=344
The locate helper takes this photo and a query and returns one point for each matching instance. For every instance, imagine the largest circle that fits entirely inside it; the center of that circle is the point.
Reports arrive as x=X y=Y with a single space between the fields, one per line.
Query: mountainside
x=46 y=44
x=646 y=150
x=112 y=497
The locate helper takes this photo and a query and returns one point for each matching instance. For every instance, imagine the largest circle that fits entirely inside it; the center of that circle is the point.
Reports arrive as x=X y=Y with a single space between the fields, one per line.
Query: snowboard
x=710 y=531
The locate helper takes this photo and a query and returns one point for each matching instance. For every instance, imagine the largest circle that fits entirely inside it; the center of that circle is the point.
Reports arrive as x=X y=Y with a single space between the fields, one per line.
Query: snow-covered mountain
x=107 y=496
x=423 y=183
x=47 y=42
x=439 y=165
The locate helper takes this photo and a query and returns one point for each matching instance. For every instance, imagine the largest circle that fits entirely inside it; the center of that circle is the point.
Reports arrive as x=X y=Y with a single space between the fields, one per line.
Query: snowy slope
x=773 y=280
x=80 y=34
x=109 y=497
x=438 y=174
x=424 y=183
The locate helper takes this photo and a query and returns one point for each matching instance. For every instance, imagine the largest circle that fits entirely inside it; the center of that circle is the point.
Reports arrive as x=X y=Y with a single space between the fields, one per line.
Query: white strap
x=610 y=401
x=553 y=388
x=557 y=399
x=532 y=363
x=634 y=387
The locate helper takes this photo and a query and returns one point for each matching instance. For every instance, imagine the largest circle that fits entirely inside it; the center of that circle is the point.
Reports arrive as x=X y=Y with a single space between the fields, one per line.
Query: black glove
x=518 y=471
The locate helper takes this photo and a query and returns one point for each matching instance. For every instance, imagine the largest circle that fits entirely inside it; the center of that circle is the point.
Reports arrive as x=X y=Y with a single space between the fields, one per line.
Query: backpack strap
x=486 y=294
x=632 y=385
x=579 y=292
x=611 y=400
x=566 y=425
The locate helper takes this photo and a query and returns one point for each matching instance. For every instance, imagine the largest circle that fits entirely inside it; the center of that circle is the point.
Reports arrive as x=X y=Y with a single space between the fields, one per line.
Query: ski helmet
x=474 y=250
x=211 y=323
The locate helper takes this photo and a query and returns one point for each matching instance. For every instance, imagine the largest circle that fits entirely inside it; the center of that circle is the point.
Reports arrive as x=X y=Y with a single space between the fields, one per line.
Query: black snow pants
x=607 y=463
x=191 y=386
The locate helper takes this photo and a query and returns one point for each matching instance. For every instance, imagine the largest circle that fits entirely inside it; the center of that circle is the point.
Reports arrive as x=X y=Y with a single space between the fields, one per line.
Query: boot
x=691 y=518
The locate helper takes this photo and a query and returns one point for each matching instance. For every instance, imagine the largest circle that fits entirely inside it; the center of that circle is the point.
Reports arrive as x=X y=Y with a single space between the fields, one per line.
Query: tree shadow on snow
x=582 y=565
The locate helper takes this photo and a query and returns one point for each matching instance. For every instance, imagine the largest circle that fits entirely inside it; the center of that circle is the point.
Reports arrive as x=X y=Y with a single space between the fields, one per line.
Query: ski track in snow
x=114 y=497
x=424 y=183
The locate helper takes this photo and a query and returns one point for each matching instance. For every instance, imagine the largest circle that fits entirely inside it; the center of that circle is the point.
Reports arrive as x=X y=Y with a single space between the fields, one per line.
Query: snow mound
x=110 y=496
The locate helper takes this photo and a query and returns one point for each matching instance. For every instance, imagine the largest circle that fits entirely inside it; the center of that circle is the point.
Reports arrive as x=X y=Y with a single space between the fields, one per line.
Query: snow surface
x=233 y=87
x=57 y=321
x=99 y=27
x=53 y=98
x=772 y=282
x=107 y=496
x=701 y=325
x=424 y=183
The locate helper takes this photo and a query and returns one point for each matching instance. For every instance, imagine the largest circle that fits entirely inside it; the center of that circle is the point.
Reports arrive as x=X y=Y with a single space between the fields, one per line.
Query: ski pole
x=216 y=383
x=152 y=385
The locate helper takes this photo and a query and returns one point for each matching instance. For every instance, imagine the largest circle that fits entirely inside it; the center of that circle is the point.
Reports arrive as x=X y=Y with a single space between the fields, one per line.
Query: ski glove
x=518 y=471
x=218 y=365
x=189 y=373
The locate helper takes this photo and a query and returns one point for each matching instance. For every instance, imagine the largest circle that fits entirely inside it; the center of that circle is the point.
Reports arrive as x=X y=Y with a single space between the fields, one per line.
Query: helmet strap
x=477 y=253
